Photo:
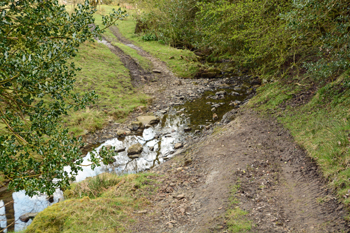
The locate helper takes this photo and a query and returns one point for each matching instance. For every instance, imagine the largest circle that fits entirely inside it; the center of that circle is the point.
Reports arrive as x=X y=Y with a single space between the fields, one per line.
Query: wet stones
x=148 y=120
x=220 y=93
x=235 y=93
x=187 y=129
x=27 y=217
x=235 y=103
x=135 y=125
x=135 y=150
x=120 y=149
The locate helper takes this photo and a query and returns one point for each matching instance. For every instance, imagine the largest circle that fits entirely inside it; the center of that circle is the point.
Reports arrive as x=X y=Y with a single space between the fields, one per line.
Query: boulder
x=135 y=125
x=135 y=149
x=148 y=120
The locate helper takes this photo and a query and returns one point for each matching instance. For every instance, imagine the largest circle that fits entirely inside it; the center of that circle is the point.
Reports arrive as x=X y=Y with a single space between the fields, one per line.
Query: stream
x=158 y=146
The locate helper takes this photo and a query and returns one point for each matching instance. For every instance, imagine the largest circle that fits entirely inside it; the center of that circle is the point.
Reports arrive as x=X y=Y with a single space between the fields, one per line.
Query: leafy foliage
x=36 y=81
x=267 y=37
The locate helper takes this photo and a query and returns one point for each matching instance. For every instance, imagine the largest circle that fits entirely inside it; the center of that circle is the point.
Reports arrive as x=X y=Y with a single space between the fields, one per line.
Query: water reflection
x=158 y=143
x=14 y=205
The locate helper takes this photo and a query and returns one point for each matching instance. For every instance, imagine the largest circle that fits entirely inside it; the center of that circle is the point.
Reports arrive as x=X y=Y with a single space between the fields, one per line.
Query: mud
x=280 y=188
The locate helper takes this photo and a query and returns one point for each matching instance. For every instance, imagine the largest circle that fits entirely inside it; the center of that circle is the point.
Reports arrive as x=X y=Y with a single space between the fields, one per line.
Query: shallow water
x=158 y=145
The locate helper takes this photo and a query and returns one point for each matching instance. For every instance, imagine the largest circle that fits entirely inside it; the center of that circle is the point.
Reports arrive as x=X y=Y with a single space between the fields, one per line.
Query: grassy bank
x=103 y=72
x=104 y=203
x=318 y=119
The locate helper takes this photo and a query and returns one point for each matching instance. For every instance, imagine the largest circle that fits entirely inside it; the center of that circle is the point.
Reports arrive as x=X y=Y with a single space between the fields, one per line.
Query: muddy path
x=281 y=189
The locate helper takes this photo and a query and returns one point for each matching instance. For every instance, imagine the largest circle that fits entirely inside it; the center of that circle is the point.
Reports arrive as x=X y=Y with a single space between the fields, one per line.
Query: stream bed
x=177 y=124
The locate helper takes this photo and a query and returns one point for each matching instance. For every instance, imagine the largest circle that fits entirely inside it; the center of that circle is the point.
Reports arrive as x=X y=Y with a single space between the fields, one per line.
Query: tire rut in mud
x=137 y=73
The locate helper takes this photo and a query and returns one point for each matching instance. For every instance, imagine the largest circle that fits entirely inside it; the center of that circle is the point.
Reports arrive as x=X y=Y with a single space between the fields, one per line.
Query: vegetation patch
x=180 y=61
x=104 y=203
x=103 y=72
x=236 y=219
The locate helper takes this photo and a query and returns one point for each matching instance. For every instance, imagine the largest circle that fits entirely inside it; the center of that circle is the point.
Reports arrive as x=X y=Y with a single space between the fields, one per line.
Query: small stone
x=142 y=212
x=163 y=111
x=213 y=109
x=187 y=129
x=121 y=133
x=108 y=147
x=215 y=116
x=181 y=196
x=197 y=131
x=26 y=217
x=135 y=125
x=157 y=71
x=220 y=93
x=120 y=149
x=178 y=146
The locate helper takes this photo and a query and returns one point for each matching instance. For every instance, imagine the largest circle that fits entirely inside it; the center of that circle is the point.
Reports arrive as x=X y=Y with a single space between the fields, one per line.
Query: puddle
x=158 y=145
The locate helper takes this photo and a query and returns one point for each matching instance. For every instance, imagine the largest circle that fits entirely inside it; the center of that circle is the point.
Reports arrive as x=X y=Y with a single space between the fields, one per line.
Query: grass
x=103 y=72
x=236 y=219
x=182 y=62
x=321 y=126
x=104 y=203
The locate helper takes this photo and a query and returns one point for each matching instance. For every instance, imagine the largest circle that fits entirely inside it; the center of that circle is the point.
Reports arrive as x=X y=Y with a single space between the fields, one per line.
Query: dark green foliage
x=36 y=40
x=149 y=37
x=272 y=38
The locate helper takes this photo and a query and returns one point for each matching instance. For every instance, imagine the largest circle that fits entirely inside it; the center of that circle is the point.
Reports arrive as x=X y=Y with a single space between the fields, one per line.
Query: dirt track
x=280 y=187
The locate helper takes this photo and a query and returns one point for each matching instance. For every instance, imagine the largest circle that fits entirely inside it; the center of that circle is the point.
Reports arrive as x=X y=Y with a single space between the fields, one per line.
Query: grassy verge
x=321 y=126
x=104 y=203
x=236 y=219
x=103 y=72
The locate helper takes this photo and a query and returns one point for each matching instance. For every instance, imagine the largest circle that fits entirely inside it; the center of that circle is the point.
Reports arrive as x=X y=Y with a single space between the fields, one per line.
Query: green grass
x=111 y=210
x=182 y=62
x=236 y=219
x=321 y=126
x=103 y=72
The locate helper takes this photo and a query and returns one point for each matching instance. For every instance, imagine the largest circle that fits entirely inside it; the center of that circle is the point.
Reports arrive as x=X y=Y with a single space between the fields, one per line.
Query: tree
x=37 y=37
